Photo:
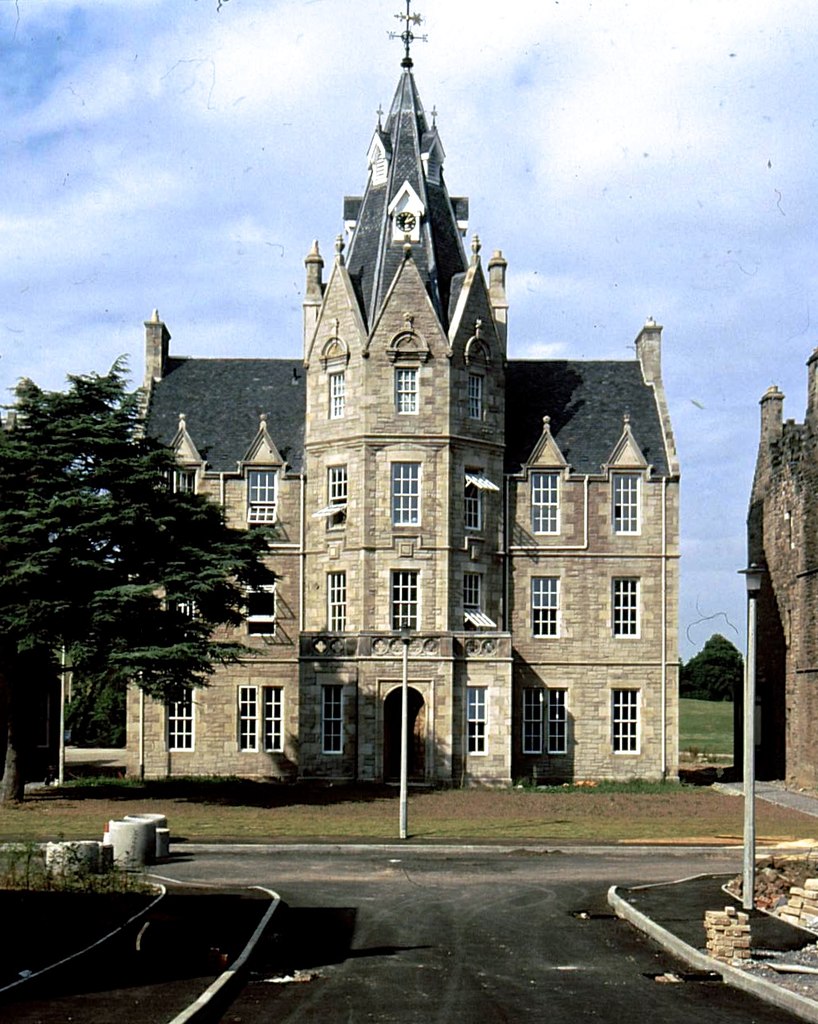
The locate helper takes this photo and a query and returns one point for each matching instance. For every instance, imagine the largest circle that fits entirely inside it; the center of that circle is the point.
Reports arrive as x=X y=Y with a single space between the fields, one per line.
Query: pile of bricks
x=801 y=907
x=728 y=934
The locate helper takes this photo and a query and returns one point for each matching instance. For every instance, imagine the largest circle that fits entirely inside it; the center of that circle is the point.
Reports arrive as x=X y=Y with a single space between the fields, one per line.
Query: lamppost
x=405 y=636
x=752 y=577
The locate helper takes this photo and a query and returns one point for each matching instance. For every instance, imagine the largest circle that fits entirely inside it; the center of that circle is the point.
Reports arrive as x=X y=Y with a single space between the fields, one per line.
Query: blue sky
x=631 y=159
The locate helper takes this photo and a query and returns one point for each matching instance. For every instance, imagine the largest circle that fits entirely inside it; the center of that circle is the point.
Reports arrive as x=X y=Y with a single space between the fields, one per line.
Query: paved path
x=411 y=935
x=775 y=793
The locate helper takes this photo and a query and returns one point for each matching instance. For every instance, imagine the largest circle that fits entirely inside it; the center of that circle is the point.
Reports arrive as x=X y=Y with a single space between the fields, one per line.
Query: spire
x=406 y=201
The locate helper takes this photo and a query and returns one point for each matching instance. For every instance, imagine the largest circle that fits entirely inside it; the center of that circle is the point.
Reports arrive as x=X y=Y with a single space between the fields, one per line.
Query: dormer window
x=261 y=496
x=406 y=211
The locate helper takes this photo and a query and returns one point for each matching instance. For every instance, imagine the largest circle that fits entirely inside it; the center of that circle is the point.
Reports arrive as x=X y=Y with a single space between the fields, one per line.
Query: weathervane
x=408 y=36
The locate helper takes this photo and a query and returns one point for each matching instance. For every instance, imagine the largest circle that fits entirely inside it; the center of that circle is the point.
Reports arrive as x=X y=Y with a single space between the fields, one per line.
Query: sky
x=631 y=160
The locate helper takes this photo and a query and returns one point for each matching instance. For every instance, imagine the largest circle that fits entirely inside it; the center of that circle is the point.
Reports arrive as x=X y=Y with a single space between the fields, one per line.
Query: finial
x=262 y=421
x=478 y=328
x=155 y=317
x=476 y=246
x=379 y=112
x=409 y=321
x=546 y=424
x=434 y=117
x=182 y=421
x=626 y=420
x=339 y=248
x=408 y=36
x=407 y=250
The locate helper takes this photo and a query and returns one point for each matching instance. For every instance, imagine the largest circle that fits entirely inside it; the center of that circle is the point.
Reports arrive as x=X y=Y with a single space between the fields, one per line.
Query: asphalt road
x=428 y=936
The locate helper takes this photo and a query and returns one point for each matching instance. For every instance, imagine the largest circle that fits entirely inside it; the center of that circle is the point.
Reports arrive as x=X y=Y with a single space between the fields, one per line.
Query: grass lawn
x=261 y=812
x=706 y=728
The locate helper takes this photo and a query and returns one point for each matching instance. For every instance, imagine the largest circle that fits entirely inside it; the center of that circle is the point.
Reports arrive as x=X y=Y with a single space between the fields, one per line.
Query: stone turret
x=772 y=414
x=497 y=295
x=313 y=292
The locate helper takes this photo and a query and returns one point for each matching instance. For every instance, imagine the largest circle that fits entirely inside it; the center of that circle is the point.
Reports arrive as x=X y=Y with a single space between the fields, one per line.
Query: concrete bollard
x=134 y=843
x=158 y=821
x=162 y=843
x=74 y=859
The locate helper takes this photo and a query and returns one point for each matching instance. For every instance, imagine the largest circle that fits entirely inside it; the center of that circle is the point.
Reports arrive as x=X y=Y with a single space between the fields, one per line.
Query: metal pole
x=61 y=747
x=404 y=738
x=748 y=877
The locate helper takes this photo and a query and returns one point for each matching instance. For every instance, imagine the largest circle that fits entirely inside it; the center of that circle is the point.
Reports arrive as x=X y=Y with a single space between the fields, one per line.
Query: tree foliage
x=98 y=558
x=715 y=673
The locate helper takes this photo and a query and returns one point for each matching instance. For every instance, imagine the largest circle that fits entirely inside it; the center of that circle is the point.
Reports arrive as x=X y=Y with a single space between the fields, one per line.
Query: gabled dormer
x=406 y=212
x=626 y=453
x=378 y=157
x=546 y=453
x=262 y=451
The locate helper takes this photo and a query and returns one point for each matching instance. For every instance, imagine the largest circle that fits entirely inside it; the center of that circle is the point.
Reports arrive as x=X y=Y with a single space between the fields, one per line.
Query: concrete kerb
x=806 y=1009
x=197 y=1011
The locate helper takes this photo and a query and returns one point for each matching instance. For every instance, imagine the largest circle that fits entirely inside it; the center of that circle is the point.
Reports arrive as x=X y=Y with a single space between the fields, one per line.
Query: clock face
x=405 y=221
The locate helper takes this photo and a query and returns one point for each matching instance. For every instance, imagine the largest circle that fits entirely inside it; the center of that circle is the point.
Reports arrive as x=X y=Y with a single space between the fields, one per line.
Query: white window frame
x=181 y=723
x=272 y=720
x=626 y=497
x=474 y=395
x=625 y=601
x=337 y=601
x=532 y=719
x=405 y=493
x=625 y=721
x=248 y=719
x=337 y=493
x=406 y=390
x=262 y=623
x=476 y=720
x=404 y=598
x=545 y=606
x=557 y=722
x=473 y=506
x=332 y=719
x=545 y=502
x=183 y=480
x=262 y=493
x=337 y=394
x=472 y=591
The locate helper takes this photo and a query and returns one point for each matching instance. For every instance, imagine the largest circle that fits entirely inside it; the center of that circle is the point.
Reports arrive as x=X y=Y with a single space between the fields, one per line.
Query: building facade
x=783 y=538
x=510 y=526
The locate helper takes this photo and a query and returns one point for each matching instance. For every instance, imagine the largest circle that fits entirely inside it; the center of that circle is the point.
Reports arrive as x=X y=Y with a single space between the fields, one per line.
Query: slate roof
x=373 y=258
x=222 y=400
x=587 y=401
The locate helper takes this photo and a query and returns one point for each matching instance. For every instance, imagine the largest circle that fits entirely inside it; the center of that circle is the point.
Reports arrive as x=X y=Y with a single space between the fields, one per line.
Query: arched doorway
x=391 y=735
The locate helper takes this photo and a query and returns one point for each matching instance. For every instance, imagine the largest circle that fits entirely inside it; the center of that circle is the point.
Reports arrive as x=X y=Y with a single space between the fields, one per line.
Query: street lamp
x=405 y=636
x=752 y=577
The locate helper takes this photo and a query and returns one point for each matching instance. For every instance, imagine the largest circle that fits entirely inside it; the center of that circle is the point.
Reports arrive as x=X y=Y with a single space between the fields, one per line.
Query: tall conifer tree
x=100 y=563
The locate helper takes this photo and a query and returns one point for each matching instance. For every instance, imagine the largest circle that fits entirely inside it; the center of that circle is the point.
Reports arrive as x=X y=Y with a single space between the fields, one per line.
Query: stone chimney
x=313 y=293
x=157 y=346
x=649 y=351
x=772 y=414
x=497 y=295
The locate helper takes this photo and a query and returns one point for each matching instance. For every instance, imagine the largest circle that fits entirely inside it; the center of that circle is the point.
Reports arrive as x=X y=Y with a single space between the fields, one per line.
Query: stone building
x=783 y=537
x=519 y=519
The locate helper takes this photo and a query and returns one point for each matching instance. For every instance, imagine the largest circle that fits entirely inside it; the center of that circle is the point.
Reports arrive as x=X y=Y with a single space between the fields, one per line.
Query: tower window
x=406 y=391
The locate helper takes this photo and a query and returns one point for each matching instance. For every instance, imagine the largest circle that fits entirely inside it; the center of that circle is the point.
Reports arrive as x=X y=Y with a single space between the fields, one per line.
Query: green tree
x=98 y=559
x=715 y=673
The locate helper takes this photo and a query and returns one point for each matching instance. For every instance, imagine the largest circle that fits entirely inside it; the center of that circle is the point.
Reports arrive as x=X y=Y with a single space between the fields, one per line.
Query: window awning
x=479 y=619
x=482 y=483
x=329 y=510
